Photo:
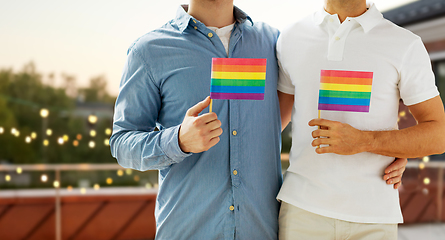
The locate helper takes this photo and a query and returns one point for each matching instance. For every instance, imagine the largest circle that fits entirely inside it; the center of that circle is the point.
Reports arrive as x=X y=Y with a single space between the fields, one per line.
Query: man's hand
x=394 y=172
x=199 y=133
x=342 y=138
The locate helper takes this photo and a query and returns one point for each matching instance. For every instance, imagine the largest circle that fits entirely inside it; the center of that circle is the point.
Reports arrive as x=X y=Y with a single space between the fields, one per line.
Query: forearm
x=146 y=150
x=286 y=106
x=421 y=140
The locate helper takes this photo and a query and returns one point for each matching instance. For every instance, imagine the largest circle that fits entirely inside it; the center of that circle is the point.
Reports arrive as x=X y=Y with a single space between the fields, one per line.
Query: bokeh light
x=44 y=178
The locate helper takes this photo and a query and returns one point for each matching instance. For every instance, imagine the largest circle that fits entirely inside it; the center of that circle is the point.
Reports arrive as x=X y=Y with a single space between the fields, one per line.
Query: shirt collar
x=183 y=18
x=367 y=20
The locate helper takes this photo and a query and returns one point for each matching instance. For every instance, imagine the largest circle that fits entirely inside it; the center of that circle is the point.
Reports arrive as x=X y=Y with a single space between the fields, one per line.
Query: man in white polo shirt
x=353 y=65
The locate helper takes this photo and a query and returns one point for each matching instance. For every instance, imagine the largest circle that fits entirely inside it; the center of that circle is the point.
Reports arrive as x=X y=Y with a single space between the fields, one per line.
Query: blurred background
x=60 y=67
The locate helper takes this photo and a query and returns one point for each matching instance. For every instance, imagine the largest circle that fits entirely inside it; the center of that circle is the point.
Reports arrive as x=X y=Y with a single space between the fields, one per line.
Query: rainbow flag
x=345 y=91
x=238 y=78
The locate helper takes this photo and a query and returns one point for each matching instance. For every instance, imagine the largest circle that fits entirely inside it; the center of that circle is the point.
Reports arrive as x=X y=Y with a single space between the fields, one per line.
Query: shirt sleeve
x=134 y=142
x=417 y=82
x=284 y=82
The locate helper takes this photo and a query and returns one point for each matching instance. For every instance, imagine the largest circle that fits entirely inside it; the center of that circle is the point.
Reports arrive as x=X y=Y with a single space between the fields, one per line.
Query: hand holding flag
x=345 y=91
x=199 y=133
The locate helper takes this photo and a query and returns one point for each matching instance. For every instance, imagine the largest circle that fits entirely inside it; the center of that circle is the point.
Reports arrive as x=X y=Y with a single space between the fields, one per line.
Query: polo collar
x=370 y=18
x=367 y=20
x=183 y=18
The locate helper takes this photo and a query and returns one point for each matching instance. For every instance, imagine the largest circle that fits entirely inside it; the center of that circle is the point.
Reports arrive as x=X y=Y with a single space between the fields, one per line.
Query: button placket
x=337 y=40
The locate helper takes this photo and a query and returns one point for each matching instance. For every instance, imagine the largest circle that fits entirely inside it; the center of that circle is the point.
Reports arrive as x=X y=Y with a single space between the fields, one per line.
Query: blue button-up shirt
x=201 y=196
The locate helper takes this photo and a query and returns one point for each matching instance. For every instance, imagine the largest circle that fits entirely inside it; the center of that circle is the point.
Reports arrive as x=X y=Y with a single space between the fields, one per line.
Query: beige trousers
x=296 y=223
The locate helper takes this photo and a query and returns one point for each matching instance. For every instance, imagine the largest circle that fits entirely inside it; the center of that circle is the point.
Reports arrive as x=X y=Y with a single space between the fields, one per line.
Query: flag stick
x=210 y=107
x=319 y=127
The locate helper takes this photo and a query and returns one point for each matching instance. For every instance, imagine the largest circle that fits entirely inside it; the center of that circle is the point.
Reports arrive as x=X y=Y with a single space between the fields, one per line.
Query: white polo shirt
x=349 y=188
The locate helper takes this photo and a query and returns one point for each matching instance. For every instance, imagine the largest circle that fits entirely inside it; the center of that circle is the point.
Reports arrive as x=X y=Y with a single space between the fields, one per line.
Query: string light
x=69 y=188
x=136 y=178
x=44 y=112
x=425 y=191
x=107 y=142
x=108 y=131
x=2 y=130
x=28 y=139
x=79 y=137
x=421 y=166
x=49 y=132
x=128 y=171
x=148 y=186
x=109 y=181
x=65 y=138
x=19 y=170
x=83 y=191
x=33 y=135
x=91 y=144
x=93 y=133
x=56 y=184
x=7 y=177
x=45 y=142
x=426 y=159
x=120 y=173
x=43 y=178
x=13 y=131
x=60 y=141
x=75 y=143
x=96 y=187
x=426 y=181
x=92 y=119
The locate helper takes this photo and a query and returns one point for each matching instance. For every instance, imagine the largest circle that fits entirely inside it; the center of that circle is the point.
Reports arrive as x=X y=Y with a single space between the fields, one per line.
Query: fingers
x=195 y=110
x=394 y=172
x=398 y=163
x=323 y=123
x=321 y=133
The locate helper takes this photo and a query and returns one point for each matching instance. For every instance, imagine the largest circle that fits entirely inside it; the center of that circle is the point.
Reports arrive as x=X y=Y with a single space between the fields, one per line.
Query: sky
x=88 y=38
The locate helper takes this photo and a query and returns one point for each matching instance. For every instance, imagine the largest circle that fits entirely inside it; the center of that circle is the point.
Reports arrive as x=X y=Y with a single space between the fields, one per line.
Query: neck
x=213 y=13
x=345 y=8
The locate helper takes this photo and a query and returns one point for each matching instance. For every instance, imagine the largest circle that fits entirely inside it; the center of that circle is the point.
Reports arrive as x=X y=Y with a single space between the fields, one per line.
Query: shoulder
x=390 y=30
x=299 y=30
x=261 y=29
x=155 y=38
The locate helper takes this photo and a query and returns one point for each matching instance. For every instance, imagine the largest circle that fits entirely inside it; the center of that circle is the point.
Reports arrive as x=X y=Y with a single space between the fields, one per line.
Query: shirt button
x=235 y=172
x=195 y=27
x=232 y=208
x=337 y=38
x=234 y=133
x=210 y=35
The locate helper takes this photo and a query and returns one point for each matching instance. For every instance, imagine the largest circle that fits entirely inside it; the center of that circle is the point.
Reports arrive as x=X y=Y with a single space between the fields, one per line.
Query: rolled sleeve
x=170 y=145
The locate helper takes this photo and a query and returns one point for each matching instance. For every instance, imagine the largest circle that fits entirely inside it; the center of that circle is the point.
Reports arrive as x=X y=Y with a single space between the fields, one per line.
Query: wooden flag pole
x=210 y=107
x=319 y=127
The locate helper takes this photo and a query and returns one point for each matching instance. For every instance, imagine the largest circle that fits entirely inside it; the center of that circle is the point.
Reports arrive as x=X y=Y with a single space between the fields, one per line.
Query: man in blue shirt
x=227 y=191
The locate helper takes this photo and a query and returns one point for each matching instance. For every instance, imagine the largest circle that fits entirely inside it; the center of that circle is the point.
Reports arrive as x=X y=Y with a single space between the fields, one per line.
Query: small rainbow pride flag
x=238 y=78
x=345 y=91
